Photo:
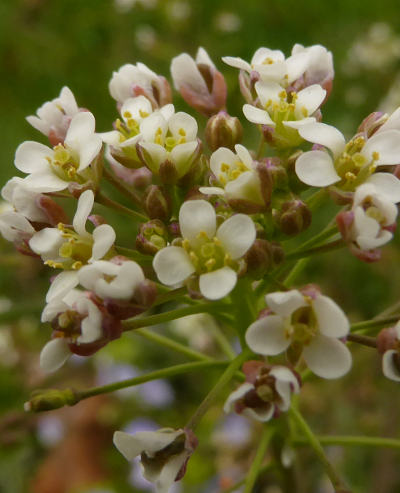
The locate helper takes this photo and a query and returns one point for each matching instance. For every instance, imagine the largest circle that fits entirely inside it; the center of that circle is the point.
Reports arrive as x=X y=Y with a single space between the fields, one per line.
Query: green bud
x=48 y=399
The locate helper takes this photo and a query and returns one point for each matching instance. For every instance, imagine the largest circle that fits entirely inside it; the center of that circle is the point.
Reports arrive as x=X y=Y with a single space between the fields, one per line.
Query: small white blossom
x=70 y=248
x=51 y=170
x=390 y=358
x=15 y=227
x=315 y=323
x=206 y=251
x=163 y=453
x=111 y=280
x=23 y=199
x=353 y=163
x=54 y=117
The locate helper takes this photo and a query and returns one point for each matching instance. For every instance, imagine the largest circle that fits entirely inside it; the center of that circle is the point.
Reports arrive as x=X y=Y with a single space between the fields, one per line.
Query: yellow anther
x=268 y=61
x=76 y=265
x=304 y=111
x=210 y=264
x=350 y=176
x=202 y=235
x=227 y=259
x=193 y=257
x=225 y=167
x=64 y=320
x=182 y=132
x=308 y=299
x=217 y=241
x=143 y=114
x=53 y=265
x=222 y=180
x=118 y=124
x=282 y=95
x=127 y=114
x=186 y=244
x=372 y=168
x=235 y=174
x=375 y=156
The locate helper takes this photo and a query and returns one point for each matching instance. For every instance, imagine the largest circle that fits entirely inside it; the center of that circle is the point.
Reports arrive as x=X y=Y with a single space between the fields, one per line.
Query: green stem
x=112 y=204
x=295 y=272
x=364 y=340
x=218 y=388
x=315 y=444
x=237 y=485
x=368 y=325
x=260 y=454
x=159 y=318
x=113 y=180
x=326 y=247
x=395 y=308
x=171 y=344
x=222 y=341
x=170 y=295
x=316 y=198
x=353 y=441
x=134 y=255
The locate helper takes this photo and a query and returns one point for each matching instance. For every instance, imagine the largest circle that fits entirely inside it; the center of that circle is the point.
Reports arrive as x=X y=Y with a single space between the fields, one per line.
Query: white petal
x=154 y=155
x=196 y=216
x=237 y=394
x=89 y=151
x=203 y=57
x=182 y=156
x=325 y=135
x=365 y=226
x=183 y=122
x=260 y=415
x=392 y=123
x=386 y=144
x=247 y=186
x=237 y=234
x=263 y=53
x=111 y=138
x=369 y=242
x=172 y=265
x=64 y=282
x=237 y=62
x=327 y=357
x=91 y=325
x=296 y=65
x=143 y=441
x=298 y=124
x=257 y=115
x=272 y=72
x=12 y=223
x=221 y=156
x=67 y=101
x=30 y=157
x=284 y=303
x=386 y=184
x=310 y=99
x=104 y=238
x=169 y=472
x=54 y=354
x=184 y=72
x=267 y=336
x=268 y=91
x=80 y=130
x=212 y=190
x=217 y=284
x=331 y=319
x=136 y=107
x=46 y=243
x=315 y=168
x=153 y=124
x=85 y=205
x=45 y=181
x=388 y=367
x=244 y=155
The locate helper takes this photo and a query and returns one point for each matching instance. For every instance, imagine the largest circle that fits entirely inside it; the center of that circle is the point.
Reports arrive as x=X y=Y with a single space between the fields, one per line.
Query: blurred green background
x=46 y=44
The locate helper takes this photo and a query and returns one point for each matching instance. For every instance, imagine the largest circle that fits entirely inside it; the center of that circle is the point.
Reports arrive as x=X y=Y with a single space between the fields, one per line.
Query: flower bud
x=157 y=203
x=372 y=123
x=201 y=85
x=294 y=217
x=387 y=339
x=54 y=212
x=223 y=130
x=152 y=236
x=262 y=257
x=49 y=399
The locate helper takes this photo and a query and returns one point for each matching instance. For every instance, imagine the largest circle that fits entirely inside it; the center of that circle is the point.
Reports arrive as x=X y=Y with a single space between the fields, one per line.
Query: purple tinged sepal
x=223 y=130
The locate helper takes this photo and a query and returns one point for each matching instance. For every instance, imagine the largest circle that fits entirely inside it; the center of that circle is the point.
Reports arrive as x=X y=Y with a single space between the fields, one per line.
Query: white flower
x=283 y=111
x=390 y=359
x=15 y=227
x=373 y=214
x=169 y=139
x=266 y=396
x=134 y=80
x=353 y=163
x=51 y=170
x=67 y=248
x=201 y=85
x=123 y=140
x=206 y=251
x=71 y=308
x=272 y=66
x=237 y=175
x=319 y=67
x=164 y=454
x=313 y=323
x=23 y=199
x=54 y=117
x=111 y=280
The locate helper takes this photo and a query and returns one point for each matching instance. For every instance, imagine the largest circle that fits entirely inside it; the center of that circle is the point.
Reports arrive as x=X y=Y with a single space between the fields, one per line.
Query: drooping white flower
x=272 y=66
x=112 y=280
x=70 y=248
x=23 y=199
x=201 y=85
x=282 y=111
x=319 y=67
x=15 y=227
x=266 y=392
x=312 y=323
x=164 y=453
x=349 y=165
x=123 y=140
x=206 y=251
x=237 y=175
x=54 y=117
x=169 y=141
x=391 y=356
x=374 y=217
x=135 y=80
x=51 y=170
x=78 y=316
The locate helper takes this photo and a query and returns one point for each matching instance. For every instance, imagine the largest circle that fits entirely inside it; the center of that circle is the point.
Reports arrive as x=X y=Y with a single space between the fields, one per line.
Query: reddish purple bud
x=152 y=237
x=294 y=217
x=223 y=130
x=262 y=257
x=387 y=339
x=157 y=203
x=372 y=123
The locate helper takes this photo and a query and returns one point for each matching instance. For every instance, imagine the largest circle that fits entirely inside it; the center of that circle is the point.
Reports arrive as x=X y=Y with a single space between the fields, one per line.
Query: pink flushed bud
x=152 y=237
x=157 y=203
x=54 y=212
x=201 y=85
x=262 y=257
x=223 y=130
x=138 y=178
x=159 y=95
x=294 y=217
x=372 y=123
x=387 y=339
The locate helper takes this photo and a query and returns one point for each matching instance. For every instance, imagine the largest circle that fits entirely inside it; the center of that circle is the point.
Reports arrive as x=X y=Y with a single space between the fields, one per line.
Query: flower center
x=229 y=172
x=302 y=326
x=64 y=163
x=352 y=166
x=285 y=109
x=207 y=254
x=170 y=140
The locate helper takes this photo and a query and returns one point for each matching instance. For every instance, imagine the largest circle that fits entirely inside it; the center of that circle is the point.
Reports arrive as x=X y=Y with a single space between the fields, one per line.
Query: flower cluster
x=209 y=219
